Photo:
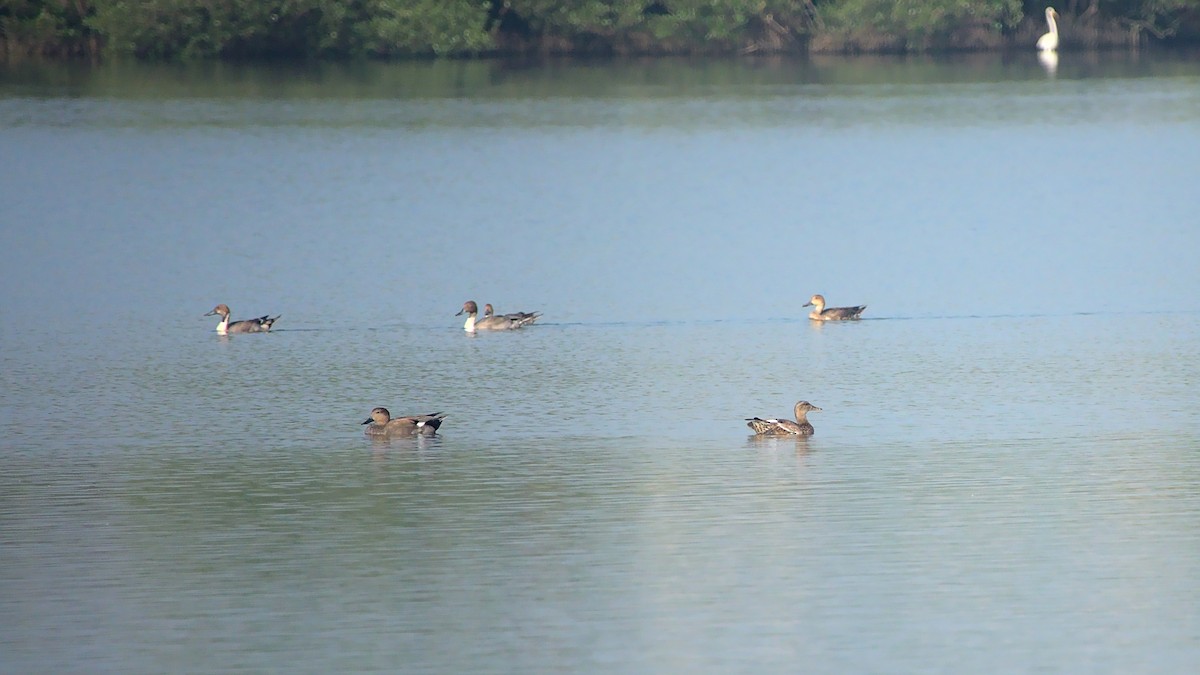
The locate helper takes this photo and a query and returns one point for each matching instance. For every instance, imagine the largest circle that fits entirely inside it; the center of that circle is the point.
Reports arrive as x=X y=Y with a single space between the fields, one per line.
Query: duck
x=381 y=424
x=260 y=325
x=525 y=318
x=819 y=313
x=1049 y=41
x=774 y=427
x=506 y=322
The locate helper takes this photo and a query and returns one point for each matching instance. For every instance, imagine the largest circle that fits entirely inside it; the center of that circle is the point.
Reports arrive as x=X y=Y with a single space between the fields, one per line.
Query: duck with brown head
x=777 y=427
x=524 y=318
x=260 y=325
x=381 y=424
x=491 y=321
x=821 y=313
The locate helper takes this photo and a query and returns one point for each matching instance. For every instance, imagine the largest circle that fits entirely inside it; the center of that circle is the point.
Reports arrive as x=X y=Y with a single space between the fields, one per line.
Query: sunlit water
x=1004 y=477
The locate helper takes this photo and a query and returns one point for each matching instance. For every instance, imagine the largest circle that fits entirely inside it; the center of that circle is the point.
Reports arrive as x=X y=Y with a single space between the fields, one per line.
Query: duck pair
x=493 y=321
x=381 y=424
x=490 y=320
x=801 y=426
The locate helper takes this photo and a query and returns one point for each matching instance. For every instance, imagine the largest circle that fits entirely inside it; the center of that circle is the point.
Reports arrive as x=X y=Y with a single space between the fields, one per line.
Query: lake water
x=1005 y=476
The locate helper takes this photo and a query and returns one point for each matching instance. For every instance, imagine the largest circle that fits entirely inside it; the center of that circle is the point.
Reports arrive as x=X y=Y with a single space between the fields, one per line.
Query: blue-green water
x=1003 y=477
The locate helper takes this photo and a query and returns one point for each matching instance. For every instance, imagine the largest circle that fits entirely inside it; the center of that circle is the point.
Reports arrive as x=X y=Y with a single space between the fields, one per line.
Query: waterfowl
x=1049 y=41
x=819 y=313
x=525 y=318
x=774 y=427
x=260 y=325
x=381 y=424
x=506 y=322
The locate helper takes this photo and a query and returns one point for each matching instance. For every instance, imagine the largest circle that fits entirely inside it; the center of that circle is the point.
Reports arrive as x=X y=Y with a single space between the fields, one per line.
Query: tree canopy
x=188 y=29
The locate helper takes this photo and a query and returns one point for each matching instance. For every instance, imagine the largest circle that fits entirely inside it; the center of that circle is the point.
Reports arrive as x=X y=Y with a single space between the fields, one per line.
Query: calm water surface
x=1005 y=476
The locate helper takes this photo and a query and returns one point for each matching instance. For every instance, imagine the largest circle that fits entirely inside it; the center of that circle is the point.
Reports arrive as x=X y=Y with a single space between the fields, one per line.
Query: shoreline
x=80 y=40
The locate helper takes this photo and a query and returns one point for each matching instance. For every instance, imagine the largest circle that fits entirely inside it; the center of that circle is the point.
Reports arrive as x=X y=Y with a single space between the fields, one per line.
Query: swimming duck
x=491 y=322
x=260 y=325
x=819 y=313
x=525 y=318
x=381 y=424
x=774 y=427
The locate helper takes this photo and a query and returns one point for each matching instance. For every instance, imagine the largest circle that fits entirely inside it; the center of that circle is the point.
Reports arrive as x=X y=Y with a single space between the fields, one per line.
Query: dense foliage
x=47 y=27
x=391 y=28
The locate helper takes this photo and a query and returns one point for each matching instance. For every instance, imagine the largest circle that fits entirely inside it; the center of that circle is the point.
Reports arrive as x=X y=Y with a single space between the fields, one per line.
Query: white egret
x=1049 y=41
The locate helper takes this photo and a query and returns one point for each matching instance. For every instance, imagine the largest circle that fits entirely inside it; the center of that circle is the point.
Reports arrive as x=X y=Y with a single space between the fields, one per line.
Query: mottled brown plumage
x=776 y=427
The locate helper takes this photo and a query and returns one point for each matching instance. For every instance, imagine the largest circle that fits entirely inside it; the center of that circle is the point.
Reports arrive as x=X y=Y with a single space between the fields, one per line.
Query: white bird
x=1049 y=41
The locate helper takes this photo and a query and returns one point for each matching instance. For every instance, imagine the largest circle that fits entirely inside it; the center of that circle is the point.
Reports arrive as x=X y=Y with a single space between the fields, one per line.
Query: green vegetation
x=48 y=28
x=208 y=29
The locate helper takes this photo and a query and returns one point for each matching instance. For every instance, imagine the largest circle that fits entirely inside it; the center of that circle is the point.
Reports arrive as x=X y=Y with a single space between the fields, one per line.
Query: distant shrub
x=201 y=29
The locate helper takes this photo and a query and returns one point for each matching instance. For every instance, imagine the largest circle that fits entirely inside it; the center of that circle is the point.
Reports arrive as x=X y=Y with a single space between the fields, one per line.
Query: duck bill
x=367 y=421
x=212 y=313
x=807 y=304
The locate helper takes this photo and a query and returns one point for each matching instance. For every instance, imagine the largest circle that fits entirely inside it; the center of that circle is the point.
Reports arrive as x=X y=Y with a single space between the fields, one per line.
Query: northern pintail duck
x=260 y=325
x=774 y=427
x=525 y=318
x=506 y=322
x=381 y=424
x=819 y=313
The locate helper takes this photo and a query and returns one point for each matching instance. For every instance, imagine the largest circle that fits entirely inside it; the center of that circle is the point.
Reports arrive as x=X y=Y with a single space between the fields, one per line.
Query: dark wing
x=847 y=312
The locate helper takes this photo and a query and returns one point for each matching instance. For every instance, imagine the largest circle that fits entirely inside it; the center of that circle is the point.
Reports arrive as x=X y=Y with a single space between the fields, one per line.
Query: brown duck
x=820 y=313
x=523 y=318
x=774 y=427
x=381 y=424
